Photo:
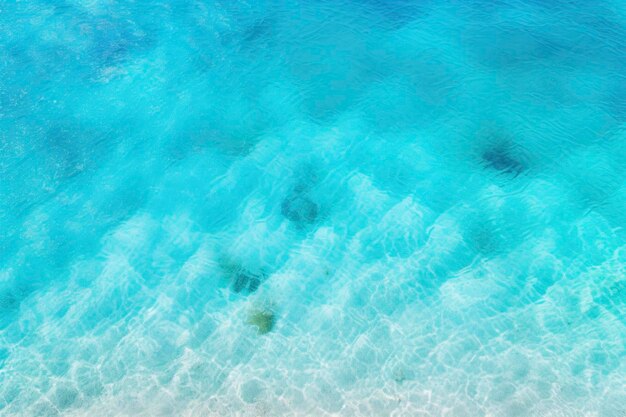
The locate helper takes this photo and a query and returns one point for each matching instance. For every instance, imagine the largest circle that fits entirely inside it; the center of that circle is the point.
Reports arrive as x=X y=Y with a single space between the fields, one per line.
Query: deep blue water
x=313 y=208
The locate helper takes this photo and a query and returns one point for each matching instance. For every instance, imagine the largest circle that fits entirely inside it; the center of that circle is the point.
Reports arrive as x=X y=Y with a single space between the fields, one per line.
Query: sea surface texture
x=313 y=208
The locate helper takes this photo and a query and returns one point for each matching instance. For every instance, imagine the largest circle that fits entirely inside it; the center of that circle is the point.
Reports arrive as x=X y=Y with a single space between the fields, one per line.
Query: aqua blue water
x=313 y=208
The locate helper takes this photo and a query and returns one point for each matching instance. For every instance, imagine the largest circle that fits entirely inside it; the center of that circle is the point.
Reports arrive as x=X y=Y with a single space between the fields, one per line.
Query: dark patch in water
x=498 y=150
x=253 y=284
x=113 y=41
x=245 y=281
x=299 y=206
x=499 y=158
x=249 y=36
x=259 y=30
x=482 y=237
x=8 y=301
x=241 y=280
x=264 y=320
x=299 y=209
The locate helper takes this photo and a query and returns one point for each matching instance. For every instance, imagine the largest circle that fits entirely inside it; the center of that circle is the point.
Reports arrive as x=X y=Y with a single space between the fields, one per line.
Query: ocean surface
x=313 y=208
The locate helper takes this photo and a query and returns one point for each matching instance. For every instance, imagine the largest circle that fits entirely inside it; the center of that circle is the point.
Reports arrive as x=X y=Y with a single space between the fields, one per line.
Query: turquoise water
x=312 y=208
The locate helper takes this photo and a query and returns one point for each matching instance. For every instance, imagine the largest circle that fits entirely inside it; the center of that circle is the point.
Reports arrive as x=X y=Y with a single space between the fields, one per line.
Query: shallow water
x=316 y=208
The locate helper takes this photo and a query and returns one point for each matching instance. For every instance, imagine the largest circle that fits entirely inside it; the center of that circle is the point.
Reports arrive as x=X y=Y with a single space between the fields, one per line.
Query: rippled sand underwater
x=313 y=208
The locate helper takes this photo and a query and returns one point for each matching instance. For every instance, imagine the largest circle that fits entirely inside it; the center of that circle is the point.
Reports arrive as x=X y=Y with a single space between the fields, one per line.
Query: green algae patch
x=263 y=319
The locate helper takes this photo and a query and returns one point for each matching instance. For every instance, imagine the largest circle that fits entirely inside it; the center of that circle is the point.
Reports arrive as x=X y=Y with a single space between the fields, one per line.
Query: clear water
x=312 y=208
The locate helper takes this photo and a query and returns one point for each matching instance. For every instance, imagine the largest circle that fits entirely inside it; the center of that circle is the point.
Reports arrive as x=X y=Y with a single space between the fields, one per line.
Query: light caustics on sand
x=312 y=208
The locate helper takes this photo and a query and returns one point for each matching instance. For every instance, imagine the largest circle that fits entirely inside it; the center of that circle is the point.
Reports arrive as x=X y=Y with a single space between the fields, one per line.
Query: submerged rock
x=500 y=150
x=299 y=209
x=241 y=280
x=253 y=284
x=246 y=281
x=261 y=29
x=501 y=160
x=263 y=319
